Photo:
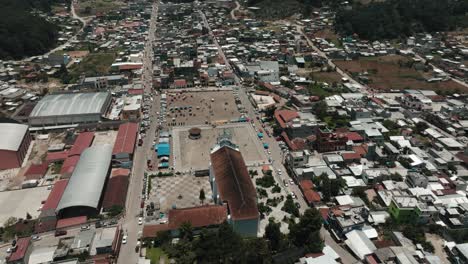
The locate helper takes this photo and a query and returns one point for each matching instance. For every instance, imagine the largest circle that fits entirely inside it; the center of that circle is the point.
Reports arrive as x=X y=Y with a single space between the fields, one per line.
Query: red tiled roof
x=354 y=136
x=116 y=192
x=180 y=83
x=306 y=184
x=260 y=92
x=351 y=156
x=55 y=194
x=56 y=156
x=324 y=213
x=45 y=226
x=135 y=91
x=371 y=259
x=36 y=171
x=82 y=142
x=73 y=221
x=234 y=184
x=152 y=230
x=290 y=144
x=312 y=196
x=201 y=216
x=120 y=172
x=69 y=165
x=284 y=116
x=126 y=139
x=22 y=246
x=299 y=143
x=361 y=150
x=126 y=67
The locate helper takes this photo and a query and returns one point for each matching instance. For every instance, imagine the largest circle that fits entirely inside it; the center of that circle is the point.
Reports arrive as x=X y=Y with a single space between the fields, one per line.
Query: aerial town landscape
x=225 y=131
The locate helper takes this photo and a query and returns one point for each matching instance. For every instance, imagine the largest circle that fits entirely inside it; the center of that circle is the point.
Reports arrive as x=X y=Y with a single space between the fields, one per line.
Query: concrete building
x=70 y=108
x=14 y=144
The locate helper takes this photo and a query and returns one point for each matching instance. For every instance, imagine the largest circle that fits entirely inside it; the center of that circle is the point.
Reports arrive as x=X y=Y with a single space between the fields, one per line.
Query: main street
x=276 y=152
x=128 y=254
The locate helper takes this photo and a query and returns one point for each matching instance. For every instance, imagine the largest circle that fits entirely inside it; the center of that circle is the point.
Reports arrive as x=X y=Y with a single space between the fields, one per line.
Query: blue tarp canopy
x=260 y=135
x=163 y=149
x=265 y=145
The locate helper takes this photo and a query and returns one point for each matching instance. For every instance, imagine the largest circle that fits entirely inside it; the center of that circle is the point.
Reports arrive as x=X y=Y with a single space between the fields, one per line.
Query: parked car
x=140 y=220
x=60 y=233
x=124 y=240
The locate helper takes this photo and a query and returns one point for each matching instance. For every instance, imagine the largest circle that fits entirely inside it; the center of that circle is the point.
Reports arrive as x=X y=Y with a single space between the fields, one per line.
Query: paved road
x=276 y=153
x=233 y=15
x=128 y=255
x=365 y=89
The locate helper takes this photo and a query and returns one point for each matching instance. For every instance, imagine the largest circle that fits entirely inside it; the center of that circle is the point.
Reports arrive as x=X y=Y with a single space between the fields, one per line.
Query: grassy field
x=155 y=254
x=328 y=77
x=91 y=7
x=386 y=73
x=93 y=64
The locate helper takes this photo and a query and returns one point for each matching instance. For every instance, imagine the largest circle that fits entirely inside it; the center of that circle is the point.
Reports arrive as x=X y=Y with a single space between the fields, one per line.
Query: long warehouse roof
x=12 y=136
x=87 y=181
x=70 y=104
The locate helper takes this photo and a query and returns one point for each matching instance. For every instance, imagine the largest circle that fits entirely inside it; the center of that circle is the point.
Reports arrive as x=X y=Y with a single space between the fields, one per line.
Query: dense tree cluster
x=396 y=18
x=224 y=245
x=23 y=33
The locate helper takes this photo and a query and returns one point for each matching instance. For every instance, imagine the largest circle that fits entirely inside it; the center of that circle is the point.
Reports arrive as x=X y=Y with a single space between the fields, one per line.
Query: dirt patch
x=78 y=54
x=328 y=35
x=391 y=72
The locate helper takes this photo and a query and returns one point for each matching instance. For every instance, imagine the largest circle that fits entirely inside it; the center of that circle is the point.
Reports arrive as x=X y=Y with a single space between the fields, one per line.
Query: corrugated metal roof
x=234 y=183
x=87 y=181
x=55 y=194
x=72 y=221
x=126 y=138
x=22 y=246
x=12 y=136
x=116 y=192
x=82 y=142
x=70 y=104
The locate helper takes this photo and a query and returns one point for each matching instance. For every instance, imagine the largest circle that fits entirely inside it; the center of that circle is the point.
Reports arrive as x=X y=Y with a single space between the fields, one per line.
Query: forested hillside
x=23 y=33
x=396 y=18
x=283 y=8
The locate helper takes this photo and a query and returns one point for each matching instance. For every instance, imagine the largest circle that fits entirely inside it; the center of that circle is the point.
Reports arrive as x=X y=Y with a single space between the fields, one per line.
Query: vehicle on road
x=291 y=181
x=86 y=227
x=140 y=220
x=124 y=239
x=60 y=233
x=36 y=238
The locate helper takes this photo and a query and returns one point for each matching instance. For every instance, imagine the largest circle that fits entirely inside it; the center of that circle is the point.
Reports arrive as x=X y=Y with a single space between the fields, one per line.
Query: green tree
x=273 y=234
x=307 y=231
x=115 y=210
x=326 y=188
x=290 y=207
x=320 y=109
x=186 y=231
